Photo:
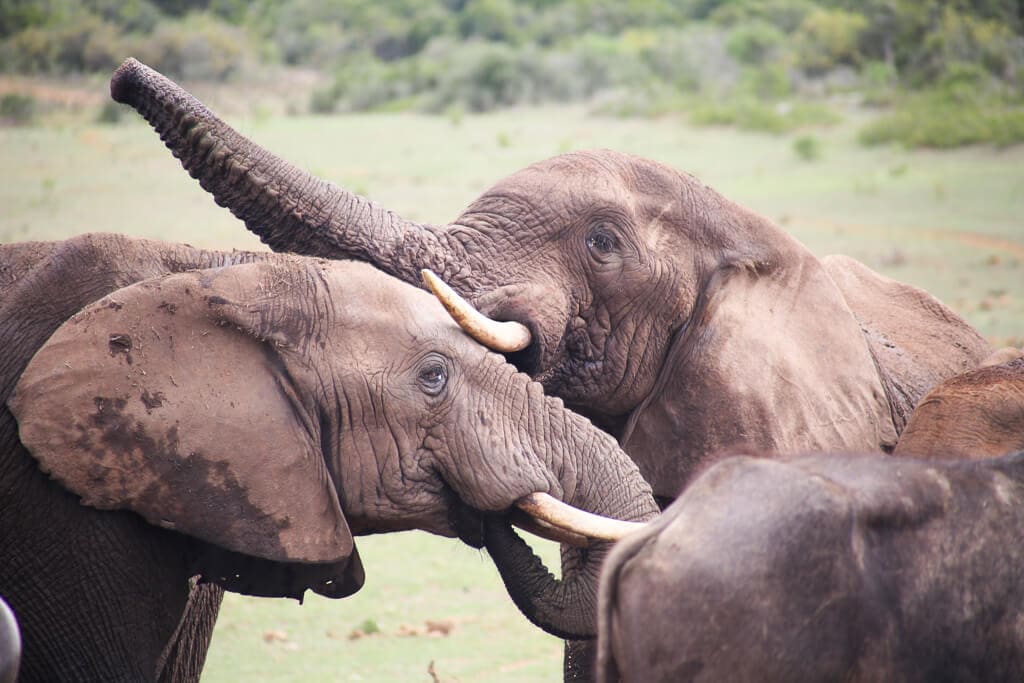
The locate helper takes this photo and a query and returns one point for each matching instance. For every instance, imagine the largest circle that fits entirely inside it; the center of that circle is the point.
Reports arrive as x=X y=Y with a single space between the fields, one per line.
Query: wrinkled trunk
x=599 y=478
x=288 y=208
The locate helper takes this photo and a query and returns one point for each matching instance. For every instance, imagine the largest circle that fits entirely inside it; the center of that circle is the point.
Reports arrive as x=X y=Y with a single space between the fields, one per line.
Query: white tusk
x=545 y=530
x=504 y=337
x=555 y=513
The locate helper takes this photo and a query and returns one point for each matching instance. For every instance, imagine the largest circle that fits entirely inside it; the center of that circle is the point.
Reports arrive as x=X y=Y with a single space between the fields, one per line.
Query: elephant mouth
x=544 y=516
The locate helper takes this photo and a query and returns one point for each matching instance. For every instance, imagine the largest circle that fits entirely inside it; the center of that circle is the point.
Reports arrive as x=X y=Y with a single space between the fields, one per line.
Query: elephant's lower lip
x=468 y=525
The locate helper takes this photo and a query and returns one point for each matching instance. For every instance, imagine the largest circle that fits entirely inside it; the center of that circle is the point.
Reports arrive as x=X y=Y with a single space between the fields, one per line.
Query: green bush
x=110 y=112
x=86 y=44
x=754 y=42
x=18 y=109
x=807 y=148
x=828 y=38
x=785 y=15
x=748 y=113
x=935 y=119
x=197 y=47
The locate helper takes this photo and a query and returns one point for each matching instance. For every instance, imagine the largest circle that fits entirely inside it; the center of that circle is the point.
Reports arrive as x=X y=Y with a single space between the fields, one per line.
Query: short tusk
x=555 y=513
x=504 y=337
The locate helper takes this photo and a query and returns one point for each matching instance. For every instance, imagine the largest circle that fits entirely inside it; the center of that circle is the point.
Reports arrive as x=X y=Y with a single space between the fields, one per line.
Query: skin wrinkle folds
x=693 y=352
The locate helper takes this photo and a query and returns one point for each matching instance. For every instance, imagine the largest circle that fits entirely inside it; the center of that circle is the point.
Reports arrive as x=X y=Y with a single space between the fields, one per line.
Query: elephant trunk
x=288 y=208
x=598 y=478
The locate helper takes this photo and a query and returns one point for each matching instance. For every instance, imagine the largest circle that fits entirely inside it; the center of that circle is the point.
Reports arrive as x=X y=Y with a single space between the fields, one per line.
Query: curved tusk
x=545 y=530
x=504 y=337
x=555 y=513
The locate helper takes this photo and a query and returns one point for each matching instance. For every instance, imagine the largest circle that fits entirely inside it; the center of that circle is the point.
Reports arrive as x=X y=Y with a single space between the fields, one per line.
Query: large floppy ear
x=771 y=359
x=175 y=398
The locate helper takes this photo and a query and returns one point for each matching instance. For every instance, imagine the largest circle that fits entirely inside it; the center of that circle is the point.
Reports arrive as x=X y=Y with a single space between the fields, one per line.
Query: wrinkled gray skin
x=979 y=414
x=10 y=644
x=678 y=321
x=824 y=569
x=221 y=389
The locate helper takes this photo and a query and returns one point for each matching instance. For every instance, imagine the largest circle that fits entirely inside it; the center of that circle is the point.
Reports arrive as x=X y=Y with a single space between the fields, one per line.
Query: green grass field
x=950 y=222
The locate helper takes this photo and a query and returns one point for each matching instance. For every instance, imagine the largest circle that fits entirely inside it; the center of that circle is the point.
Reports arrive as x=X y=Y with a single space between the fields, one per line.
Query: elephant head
x=274 y=410
x=675 y=319
x=979 y=414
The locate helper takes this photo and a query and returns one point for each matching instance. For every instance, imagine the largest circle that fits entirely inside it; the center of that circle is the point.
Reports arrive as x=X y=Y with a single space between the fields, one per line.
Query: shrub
x=748 y=113
x=934 y=119
x=807 y=148
x=693 y=59
x=18 y=109
x=110 y=112
x=829 y=38
x=754 y=42
x=198 y=47
x=785 y=15
x=86 y=43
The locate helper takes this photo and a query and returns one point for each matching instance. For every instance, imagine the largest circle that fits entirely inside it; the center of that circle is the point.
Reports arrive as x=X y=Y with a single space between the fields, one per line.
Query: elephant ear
x=176 y=398
x=771 y=359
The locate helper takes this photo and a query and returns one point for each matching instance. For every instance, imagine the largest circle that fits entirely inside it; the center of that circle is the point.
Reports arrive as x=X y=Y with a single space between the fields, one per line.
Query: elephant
x=979 y=414
x=680 y=322
x=10 y=644
x=824 y=568
x=172 y=413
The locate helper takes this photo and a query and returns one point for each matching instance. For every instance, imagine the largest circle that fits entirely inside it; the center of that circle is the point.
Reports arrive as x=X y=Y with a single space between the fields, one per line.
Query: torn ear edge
x=158 y=400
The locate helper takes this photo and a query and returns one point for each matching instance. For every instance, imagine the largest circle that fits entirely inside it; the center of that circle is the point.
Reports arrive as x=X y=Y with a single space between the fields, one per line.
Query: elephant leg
x=97 y=594
x=185 y=654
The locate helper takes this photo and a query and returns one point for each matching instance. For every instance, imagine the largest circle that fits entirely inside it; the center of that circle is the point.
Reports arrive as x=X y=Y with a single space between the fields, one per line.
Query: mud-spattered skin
x=268 y=408
x=979 y=414
x=821 y=568
x=677 y=320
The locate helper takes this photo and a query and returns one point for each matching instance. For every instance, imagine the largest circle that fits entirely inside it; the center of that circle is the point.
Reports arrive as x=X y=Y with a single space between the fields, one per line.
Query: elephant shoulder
x=916 y=340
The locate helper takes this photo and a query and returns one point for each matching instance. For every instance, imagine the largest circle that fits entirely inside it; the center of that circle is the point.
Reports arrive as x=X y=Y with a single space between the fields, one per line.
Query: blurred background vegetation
x=936 y=73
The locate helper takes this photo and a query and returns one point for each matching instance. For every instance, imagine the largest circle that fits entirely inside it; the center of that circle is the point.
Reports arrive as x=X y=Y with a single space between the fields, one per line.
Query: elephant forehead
x=382 y=308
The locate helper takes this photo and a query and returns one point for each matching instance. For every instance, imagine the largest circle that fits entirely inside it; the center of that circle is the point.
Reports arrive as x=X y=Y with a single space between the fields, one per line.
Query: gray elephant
x=678 y=321
x=979 y=414
x=10 y=644
x=242 y=421
x=820 y=568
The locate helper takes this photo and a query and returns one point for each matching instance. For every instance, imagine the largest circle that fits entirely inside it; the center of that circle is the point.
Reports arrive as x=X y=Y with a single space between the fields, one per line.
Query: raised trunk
x=597 y=477
x=288 y=208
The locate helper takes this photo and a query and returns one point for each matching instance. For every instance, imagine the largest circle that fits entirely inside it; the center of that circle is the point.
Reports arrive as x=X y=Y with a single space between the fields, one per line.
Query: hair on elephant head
x=274 y=410
x=674 y=318
x=823 y=568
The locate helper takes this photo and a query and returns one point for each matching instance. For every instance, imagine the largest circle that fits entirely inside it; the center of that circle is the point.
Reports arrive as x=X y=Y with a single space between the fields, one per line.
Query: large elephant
x=979 y=414
x=819 y=568
x=680 y=322
x=242 y=421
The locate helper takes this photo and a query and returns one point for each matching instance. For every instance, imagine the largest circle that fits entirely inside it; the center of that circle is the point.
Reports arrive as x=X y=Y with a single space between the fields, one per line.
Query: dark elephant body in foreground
x=242 y=422
x=677 y=320
x=820 y=568
x=979 y=414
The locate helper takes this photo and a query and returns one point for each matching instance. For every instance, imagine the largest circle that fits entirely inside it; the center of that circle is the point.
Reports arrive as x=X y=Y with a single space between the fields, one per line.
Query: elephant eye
x=433 y=377
x=601 y=241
